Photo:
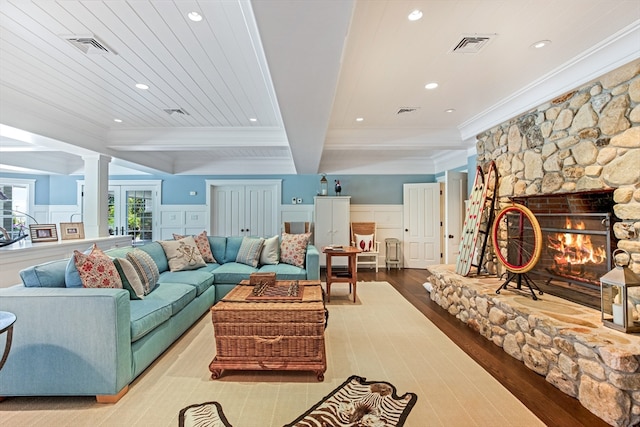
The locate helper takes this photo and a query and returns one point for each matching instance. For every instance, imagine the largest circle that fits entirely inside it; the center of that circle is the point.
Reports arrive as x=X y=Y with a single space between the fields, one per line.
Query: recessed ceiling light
x=117 y=120
x=541 y=44
x=142 y=86
x=253 y=119
x=450 y=110
x=415 y=15
x=431 y=85
x=195 y=16
x=359 y=119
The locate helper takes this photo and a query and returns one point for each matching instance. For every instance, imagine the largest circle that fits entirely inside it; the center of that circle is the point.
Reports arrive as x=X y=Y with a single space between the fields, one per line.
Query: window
x=16 y=206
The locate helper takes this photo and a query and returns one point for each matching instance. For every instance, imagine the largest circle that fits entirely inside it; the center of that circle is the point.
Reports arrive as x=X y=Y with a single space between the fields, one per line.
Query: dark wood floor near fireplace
x=548 y=403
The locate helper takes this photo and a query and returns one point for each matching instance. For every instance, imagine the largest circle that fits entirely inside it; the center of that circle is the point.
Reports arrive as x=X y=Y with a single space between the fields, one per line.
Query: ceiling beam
x=303 y=42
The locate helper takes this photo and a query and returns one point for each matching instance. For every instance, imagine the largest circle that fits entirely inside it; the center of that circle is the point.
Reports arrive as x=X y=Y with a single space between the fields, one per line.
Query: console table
x=350 y=276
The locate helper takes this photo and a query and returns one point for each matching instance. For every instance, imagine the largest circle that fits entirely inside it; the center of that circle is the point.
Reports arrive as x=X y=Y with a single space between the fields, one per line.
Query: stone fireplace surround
x=585 y=140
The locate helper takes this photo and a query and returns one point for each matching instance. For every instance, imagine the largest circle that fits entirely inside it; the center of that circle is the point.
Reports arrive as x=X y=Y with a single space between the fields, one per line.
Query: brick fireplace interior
x=577 y=243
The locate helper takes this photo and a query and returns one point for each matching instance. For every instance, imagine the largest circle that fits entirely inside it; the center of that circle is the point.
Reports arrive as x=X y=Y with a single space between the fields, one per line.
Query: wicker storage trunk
x=270 y=332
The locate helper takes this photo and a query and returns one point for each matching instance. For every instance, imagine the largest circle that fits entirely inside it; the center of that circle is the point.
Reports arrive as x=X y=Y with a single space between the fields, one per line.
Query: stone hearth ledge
x=561 y=340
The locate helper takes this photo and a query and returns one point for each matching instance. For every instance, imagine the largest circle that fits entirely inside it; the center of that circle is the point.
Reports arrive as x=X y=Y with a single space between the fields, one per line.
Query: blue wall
x=363 y=189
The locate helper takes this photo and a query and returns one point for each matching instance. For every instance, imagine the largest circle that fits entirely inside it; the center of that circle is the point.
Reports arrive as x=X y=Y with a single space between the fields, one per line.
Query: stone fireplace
x=577 y=147
x=577 y=243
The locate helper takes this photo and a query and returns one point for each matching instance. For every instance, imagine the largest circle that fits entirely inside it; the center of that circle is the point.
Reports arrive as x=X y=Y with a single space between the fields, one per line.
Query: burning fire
x=573 y=248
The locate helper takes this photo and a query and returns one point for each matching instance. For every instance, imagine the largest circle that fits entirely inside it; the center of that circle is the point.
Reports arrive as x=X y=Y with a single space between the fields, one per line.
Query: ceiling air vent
x=472 y=43
x=90 y=45
x=404 y=110
x=172 y=111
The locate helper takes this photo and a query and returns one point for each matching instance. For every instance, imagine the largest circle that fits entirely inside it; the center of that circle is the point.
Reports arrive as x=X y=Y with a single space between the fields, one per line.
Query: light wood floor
x=548 y=403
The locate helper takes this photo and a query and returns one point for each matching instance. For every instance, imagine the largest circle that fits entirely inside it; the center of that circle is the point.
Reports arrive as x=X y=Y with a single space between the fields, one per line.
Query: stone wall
x=560 y=340
x=587 y=139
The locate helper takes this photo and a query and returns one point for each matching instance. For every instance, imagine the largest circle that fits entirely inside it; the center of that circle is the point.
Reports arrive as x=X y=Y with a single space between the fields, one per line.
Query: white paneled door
x=244 y=210
x=454 y=212
x=421 y=205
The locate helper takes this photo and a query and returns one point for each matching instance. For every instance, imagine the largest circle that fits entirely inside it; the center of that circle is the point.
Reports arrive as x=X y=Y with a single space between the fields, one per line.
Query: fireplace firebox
x=577 y=243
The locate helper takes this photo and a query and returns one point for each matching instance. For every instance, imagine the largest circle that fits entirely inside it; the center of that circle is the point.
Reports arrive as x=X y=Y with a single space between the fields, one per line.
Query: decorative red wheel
x=517 y=238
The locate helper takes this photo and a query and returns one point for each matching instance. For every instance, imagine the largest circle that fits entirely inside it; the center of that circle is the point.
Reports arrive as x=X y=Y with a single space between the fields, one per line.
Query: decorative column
x=96 y=189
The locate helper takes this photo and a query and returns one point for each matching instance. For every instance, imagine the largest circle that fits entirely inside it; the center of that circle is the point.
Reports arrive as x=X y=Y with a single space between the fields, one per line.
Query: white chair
x=363 y=237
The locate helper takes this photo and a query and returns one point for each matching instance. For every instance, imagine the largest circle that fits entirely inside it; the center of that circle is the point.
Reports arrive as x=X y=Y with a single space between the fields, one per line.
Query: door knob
x=451 y=236
x=406 y=229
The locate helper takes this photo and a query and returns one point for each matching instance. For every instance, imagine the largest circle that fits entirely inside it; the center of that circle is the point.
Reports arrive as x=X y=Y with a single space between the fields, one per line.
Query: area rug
x=208 y=414
x=358 y=402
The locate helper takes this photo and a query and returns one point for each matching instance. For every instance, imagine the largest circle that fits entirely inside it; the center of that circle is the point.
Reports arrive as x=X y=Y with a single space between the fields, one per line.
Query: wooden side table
x=350 y=276
x=6 y=325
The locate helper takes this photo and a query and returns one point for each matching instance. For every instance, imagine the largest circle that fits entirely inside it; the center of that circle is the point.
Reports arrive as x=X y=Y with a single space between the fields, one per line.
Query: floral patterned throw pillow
x=96 y=269
x=293 y=248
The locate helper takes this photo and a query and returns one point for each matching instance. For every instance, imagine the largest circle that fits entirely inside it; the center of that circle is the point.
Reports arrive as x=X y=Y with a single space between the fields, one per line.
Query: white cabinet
x=244 y=209
x=332 y=224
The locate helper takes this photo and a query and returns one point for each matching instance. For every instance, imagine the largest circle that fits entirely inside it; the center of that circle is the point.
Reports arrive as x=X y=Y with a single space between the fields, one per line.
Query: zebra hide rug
x=358 y=402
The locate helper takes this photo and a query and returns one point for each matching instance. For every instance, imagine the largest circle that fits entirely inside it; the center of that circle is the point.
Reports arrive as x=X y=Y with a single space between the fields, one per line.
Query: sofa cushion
x=200 y=279
x=270 y=251
x=232 y=272
x=182 y=254
x=285 y=271
x=202 y=242
x=130 y=279
x=293 y=248
x=155 y=251
x=146 y=315
x=96 y=269
x=47 y=275
x=232 y=248
x=177 y=295
x=249 y=252
x=145 y=267
x=218 y=248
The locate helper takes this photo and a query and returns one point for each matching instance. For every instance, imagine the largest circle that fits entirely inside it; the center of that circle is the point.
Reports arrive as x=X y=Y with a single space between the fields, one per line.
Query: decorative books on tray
x=335 y=248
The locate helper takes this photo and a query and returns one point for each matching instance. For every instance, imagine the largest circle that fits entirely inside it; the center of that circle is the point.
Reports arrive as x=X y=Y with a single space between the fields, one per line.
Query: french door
x=131 y=209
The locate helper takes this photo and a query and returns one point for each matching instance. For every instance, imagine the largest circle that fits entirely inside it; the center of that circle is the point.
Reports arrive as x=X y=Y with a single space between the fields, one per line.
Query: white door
x=455 y=194
x=421 y=206
x=244 y=210
x=131 y=210
x=227 y=211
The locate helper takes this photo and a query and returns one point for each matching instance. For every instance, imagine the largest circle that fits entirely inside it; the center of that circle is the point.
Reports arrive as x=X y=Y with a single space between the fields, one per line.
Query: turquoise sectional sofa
x=78 y=341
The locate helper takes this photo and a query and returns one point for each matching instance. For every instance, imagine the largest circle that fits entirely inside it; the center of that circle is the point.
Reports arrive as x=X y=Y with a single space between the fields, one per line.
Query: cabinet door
x=340 y=222
x=260 y=211
x=244 y=210
x=228 y=211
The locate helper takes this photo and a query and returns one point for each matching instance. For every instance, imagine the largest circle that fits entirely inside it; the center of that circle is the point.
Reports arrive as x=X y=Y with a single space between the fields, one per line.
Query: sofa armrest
x=67 y=341
x=312 y=263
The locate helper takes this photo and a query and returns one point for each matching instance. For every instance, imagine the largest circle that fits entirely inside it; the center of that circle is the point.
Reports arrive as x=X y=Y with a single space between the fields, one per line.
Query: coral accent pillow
x=202 y=242
x=364 y=242
x=182 y=254
x=96 y=269
x=293 y=248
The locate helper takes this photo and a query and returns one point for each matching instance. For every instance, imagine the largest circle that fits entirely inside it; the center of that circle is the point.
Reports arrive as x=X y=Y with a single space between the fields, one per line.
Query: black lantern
x=620 y=297
x=324 y=185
